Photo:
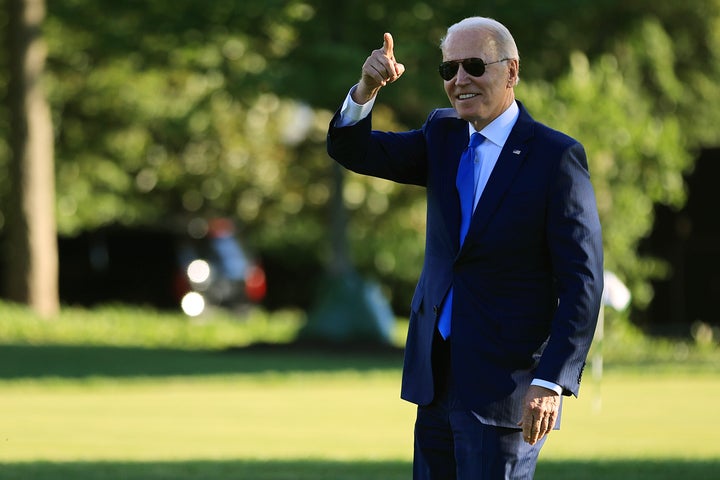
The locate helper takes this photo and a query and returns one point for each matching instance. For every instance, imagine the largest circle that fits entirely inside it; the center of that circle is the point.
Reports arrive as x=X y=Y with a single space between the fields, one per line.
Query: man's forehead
x=469 y=43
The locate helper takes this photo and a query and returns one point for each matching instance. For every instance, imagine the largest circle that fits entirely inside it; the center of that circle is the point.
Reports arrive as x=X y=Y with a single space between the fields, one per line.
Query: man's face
x=479 y=100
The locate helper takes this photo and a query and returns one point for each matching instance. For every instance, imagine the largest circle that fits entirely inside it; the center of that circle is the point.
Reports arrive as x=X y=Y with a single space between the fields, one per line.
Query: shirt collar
x=499 y=129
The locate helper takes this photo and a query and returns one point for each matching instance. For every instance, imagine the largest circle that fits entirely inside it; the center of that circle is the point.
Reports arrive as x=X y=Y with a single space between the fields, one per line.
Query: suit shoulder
x=443 y=114
x=555 y=137
x=556 y=144
x=443 y=118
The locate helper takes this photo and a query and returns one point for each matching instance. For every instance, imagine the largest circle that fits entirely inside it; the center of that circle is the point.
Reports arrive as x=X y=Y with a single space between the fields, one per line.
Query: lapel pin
x=516 y=152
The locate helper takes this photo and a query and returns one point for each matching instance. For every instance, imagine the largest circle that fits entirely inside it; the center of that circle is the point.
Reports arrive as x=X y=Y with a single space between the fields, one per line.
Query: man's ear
x=513 y=72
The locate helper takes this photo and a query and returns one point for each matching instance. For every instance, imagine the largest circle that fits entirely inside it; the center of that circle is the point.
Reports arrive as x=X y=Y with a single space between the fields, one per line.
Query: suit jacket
x=528 y=278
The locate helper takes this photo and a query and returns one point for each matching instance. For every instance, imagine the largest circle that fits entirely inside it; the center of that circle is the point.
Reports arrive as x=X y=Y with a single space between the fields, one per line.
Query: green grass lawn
x=98 y=408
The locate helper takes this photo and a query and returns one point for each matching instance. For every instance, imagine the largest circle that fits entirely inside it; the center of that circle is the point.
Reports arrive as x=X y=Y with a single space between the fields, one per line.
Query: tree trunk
x=31 y=251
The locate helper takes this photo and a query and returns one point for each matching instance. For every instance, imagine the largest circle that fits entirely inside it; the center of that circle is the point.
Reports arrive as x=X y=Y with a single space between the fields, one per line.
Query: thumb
x=388 y=45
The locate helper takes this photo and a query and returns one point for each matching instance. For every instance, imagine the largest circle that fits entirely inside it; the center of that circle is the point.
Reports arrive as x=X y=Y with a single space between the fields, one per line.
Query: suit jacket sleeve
x=400 y=157
x=575 y=242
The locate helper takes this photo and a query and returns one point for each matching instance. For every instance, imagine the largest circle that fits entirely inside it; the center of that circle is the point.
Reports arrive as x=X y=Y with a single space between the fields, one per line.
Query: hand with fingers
x=379 y=69
x=539 y=413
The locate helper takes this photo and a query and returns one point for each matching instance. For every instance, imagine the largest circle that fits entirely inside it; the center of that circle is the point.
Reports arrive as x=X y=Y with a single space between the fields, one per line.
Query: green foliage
x=120 y=326
x=625 y=347
x=623 y=93
x=168 y=112
x=623 y=107
x=636 y=156
x=137 y=327
x=171 y=109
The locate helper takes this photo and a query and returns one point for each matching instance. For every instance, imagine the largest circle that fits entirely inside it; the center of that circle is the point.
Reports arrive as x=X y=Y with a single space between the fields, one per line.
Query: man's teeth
x=465 y=96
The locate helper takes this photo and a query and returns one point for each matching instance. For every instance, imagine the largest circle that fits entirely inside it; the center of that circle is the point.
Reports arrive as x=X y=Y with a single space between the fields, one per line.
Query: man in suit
x=506 y=305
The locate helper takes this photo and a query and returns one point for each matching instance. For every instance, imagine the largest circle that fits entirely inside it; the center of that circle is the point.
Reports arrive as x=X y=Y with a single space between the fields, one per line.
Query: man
x=506 y=305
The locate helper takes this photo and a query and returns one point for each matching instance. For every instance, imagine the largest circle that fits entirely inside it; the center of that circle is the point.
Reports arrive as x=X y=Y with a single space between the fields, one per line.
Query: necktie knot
x=476 y=139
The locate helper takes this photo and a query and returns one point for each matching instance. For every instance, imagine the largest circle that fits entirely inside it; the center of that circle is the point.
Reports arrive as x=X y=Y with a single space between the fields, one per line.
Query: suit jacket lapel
x=457 y=140
x=509 y=162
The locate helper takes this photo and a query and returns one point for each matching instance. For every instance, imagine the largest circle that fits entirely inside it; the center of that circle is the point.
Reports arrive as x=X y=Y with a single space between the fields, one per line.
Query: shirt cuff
x=351 y=112
x=549 y=385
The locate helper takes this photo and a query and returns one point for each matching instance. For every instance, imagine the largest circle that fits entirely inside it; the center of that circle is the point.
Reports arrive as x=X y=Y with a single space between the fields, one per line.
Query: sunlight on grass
x=649 y=416
x=346 y=415
x=334 y=416
x=132 y=385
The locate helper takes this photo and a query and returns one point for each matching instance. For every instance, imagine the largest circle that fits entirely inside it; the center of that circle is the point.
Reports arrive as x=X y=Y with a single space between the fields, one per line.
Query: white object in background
x=615 y=294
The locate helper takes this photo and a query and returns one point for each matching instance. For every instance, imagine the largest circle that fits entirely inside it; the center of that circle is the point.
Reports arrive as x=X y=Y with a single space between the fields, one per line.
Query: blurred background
x=167 y=114
x=170 y=156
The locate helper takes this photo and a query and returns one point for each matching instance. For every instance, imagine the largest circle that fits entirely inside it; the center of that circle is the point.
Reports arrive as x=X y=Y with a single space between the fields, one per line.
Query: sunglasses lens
x=448 y=70
x=473 y=66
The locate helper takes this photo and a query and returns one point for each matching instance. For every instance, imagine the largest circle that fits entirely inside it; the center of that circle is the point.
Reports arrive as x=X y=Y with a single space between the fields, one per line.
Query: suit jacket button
x=436 y=309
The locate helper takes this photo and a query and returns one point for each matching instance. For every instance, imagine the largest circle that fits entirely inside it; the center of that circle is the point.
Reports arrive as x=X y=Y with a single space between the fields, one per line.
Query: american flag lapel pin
x=516 y=152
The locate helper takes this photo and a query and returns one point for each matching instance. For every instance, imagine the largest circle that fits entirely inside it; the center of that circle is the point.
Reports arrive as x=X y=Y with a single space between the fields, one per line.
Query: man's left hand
x=540 y=411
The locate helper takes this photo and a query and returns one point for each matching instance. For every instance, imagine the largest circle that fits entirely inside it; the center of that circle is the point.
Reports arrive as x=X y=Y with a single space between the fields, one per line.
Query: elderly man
x=506 y=305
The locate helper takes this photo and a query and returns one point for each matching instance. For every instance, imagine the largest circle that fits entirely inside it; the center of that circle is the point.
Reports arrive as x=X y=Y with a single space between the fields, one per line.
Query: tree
x=185 y=107
x=31 y=273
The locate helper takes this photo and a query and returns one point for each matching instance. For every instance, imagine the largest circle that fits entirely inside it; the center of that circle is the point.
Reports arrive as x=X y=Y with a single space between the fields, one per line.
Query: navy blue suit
x=528 y=278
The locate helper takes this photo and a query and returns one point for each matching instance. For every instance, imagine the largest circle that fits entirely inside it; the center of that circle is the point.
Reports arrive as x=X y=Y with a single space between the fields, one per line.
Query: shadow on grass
x=333 y=470
x=17 y=362
x=628 y=470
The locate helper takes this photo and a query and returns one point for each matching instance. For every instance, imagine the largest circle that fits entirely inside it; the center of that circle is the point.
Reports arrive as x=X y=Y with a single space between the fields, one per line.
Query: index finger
x=388 y=45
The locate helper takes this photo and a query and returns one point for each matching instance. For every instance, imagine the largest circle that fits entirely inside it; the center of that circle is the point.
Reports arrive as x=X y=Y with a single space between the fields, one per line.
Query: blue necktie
x=465 y=183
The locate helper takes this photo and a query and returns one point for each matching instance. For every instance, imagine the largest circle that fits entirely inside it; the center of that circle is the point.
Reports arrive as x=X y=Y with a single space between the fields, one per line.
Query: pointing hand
x=379 y=69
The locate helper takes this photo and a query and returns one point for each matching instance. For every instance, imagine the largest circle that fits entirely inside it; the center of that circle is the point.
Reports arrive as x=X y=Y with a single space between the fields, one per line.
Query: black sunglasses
x=473 y=66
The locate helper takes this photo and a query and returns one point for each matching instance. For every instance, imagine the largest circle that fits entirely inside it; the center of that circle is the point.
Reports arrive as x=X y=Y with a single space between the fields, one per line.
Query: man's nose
x=462 y=76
